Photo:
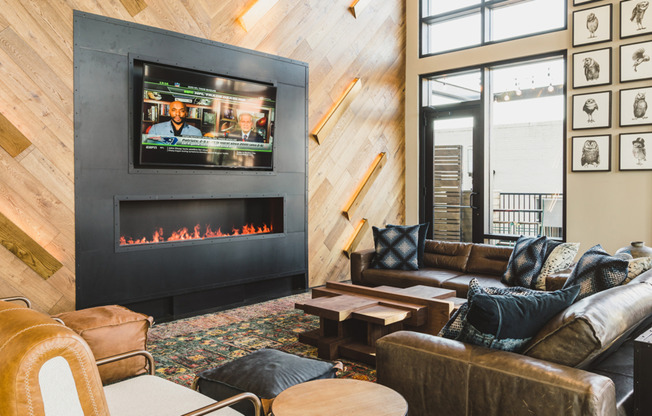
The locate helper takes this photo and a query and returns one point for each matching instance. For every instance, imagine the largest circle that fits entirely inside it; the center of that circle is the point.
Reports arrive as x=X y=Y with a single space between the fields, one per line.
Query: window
x=493 y=152
x=451 y=25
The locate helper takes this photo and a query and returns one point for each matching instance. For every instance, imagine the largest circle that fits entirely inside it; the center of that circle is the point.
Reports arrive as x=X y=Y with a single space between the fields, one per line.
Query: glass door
x=452 y=168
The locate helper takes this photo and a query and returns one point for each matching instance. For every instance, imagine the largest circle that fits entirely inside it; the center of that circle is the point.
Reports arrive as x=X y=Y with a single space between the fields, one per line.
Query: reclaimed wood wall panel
x=36 y=100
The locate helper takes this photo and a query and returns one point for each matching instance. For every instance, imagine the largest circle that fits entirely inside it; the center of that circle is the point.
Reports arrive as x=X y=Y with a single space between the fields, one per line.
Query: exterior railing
x=523 y=214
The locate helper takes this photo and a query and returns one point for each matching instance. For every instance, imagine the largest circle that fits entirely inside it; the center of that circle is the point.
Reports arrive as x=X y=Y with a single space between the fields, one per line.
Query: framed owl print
x=591 y=153
x=592 y=110
x=592 y=68
x=579 y=2
x=635 y=61
x=592 y=25
x=634 y=107
x=635 y=18
x=635 y=151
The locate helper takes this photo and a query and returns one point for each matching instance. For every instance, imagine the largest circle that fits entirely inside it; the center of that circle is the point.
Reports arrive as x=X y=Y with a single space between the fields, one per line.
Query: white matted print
x=635 y=18
x=634 y=107
x=578 y=2
x=591 y=153
x=592 y=110
x=592 y=25
x=592 y=68
x=635 y=151
x=635 y=61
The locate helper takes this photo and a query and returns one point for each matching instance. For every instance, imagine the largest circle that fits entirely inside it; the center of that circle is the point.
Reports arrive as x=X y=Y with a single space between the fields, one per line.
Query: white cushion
x=151 y=395
x=58 y=389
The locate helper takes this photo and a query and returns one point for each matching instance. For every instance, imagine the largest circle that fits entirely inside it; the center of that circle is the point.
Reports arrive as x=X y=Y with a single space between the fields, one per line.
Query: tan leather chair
x=46 y=369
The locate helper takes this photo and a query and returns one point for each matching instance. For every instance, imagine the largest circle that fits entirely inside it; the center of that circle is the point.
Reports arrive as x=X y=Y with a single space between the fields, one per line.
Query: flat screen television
x=188 y=119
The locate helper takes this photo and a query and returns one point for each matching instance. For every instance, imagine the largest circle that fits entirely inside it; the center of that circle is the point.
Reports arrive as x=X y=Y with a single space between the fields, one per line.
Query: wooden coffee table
x=339 y=396
x=353 y=317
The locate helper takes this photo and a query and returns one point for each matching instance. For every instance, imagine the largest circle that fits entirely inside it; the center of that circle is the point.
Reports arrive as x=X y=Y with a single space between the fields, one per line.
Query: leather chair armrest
x=360 y=261
x=461 y=379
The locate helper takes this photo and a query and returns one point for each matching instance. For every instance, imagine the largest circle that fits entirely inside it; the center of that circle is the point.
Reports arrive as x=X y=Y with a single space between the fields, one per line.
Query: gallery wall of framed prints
x=610 y=85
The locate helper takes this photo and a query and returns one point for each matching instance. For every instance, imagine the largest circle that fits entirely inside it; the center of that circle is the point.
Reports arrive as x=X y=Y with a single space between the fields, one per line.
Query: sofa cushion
x=461 y=283
x=558 y=259
x=421 y=240
x=506 y=318
x=396 y=247
x=596 y=271
x=447 y=255
x=590 y=326
x=488 y=259
x=406 y=278
x=637 y=266
x=526 y=262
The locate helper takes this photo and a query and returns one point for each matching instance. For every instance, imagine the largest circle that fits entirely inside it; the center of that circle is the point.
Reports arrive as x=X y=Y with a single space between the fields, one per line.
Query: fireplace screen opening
x=162 y=221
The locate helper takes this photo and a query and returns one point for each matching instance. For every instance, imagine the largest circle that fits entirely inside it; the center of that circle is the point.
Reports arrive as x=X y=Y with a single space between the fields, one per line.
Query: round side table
x=339 y=396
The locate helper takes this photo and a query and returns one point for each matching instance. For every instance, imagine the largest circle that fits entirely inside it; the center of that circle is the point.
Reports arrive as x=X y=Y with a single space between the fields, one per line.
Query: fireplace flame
x=158 y=235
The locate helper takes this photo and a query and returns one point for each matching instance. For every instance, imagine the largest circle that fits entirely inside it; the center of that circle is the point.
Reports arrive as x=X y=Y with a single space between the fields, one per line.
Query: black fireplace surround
x=178 y=242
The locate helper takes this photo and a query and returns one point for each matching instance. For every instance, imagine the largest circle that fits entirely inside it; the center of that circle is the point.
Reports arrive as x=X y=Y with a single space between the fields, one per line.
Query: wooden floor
x=37 y=118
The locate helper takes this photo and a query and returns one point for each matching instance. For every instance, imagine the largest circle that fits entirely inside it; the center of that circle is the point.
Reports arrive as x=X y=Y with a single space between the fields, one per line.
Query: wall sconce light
x=362 y=188
x=355 y=238
x=323 y=128
x=357 y=6
x=27 y=250
x=253 y=14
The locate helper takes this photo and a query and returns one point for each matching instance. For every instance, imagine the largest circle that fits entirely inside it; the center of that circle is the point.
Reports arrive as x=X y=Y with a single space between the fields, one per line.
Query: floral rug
x=189 y=346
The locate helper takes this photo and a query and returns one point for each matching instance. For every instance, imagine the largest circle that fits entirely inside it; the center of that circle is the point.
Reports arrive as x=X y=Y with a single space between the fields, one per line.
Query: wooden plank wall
x=36 y=99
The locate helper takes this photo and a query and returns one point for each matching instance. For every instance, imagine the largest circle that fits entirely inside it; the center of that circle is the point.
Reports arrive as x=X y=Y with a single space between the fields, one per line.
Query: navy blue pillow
x=421 y=243
x=596 y=271
x=507 y=318
x=396 y=248
x=526 y=261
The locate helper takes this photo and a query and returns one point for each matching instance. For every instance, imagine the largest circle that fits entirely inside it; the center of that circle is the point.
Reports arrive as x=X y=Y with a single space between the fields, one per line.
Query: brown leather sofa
x=580 y=363
x=446 y=264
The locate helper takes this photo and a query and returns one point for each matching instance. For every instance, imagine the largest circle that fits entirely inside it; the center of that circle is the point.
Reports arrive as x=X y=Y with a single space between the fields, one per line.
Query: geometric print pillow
x=560 y=258
x=396 y=248
x=525 y=262
x=636 y=267
x=596 y=271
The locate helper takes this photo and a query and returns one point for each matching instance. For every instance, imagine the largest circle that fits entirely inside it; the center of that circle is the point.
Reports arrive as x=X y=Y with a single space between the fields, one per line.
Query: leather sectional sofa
x=580 y=362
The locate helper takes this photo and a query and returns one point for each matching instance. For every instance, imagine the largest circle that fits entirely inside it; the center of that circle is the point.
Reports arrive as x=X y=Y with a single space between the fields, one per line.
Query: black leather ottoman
x=265 y=372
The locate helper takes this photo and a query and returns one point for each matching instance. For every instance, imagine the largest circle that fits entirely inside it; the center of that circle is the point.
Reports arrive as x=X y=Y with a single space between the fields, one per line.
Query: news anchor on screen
x=245 y=131
x=177 y=125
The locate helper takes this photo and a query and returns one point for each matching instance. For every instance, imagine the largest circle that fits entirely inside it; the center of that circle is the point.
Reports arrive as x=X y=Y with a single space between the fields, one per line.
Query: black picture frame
x=633 y=151
x=591 y=153
x=592 y=68
x=630 y=26
x=635 y=61
x=598 y=31
x=585 y=117
x=634 y=107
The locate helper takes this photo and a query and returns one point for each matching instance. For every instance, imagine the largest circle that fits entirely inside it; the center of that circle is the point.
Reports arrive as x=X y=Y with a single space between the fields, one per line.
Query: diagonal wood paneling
x=36 y=99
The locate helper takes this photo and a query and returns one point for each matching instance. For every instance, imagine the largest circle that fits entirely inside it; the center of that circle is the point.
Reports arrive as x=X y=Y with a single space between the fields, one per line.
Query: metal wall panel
x=102 y=51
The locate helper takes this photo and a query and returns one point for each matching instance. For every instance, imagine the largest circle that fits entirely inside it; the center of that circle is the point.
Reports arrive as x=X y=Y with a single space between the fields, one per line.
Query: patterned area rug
x=189 y=346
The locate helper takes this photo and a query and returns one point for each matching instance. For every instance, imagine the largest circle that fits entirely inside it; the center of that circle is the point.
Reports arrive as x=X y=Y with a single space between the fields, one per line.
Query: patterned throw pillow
x=505 y=318
x=396 y=248
x=637 y=266
x=596 y=271
x=560 y=258
x=421 y=242
x=525 y=262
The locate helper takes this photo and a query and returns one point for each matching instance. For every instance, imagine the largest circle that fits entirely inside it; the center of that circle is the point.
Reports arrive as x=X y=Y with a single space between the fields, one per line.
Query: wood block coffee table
x=353 y=317
x=339 y=396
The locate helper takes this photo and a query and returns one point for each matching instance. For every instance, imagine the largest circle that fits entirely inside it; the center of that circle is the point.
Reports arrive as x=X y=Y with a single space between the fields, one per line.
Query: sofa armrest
x=360 y=261
x=461 y=379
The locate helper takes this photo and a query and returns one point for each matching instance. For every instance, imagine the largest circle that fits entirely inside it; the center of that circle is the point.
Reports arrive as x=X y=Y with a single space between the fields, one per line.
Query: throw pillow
x=525 y=262
x=421 y=243
x=558 y=259
x=506 y=318
x=396 y=248
x=596 y=271
x=637 y=266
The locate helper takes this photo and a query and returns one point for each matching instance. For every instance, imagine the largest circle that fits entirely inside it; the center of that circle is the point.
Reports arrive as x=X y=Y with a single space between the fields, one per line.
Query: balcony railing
x=525 y=214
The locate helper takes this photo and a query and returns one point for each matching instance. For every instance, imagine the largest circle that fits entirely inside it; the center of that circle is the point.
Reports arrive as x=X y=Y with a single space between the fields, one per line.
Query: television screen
x=192 y=119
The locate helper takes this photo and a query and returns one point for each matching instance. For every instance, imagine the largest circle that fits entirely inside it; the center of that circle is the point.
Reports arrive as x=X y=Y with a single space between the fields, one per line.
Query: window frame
x=484 y=8
x=484 y=104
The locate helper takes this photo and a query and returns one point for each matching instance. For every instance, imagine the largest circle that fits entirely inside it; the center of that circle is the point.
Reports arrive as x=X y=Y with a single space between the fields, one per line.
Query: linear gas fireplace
x=163 y=222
